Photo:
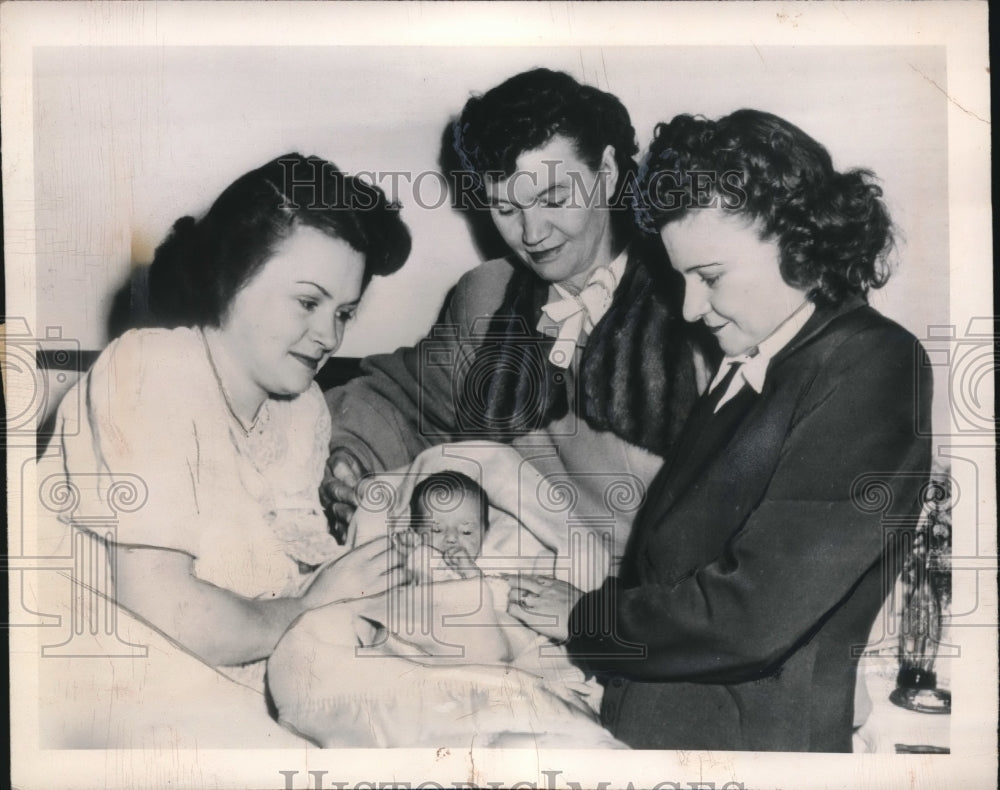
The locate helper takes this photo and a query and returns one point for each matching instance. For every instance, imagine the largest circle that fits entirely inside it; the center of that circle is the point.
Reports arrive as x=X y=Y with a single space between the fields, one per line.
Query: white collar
x=754 y=363
x=616 y=267
x=576 y=314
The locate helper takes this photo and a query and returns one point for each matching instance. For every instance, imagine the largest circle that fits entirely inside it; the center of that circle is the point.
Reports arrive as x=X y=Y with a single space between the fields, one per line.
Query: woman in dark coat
x=759 y=561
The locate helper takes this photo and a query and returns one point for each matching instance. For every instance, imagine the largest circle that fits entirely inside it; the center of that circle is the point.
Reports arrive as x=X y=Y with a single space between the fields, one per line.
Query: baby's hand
x=406 y=542
x=419 y=560
x=458 y=560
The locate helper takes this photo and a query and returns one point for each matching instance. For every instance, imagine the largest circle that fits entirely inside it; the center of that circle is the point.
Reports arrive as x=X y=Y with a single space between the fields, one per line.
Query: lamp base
x=922 y=700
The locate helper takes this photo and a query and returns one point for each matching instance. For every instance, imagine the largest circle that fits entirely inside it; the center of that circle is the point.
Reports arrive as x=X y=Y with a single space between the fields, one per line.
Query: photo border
x=960 y=27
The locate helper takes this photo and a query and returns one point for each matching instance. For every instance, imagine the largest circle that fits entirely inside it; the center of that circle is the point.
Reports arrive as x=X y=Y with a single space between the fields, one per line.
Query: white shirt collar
x=574 y=315
x=616 y=267
x=754 y=363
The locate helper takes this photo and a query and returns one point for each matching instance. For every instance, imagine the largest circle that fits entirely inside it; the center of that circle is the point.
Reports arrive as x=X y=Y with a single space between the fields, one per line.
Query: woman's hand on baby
x=542 y=603
x=370 y=569
x=338 y=491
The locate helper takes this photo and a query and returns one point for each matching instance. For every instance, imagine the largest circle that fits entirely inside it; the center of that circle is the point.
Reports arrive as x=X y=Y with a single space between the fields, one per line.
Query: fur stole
x=636 y=376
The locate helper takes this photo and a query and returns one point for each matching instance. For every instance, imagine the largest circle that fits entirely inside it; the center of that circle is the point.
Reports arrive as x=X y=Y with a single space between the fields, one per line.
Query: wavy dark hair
x=446 y=491
x=833 y=230
x=203 y=263
x=526 y=111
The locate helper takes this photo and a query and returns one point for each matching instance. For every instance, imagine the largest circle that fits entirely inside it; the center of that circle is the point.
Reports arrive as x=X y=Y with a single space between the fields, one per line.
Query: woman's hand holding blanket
x=536 y=600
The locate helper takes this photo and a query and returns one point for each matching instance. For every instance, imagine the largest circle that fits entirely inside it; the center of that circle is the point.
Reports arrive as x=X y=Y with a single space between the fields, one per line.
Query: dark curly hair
x=833 y=230
x=446 y=491
x=526 y=111
x=202 y=264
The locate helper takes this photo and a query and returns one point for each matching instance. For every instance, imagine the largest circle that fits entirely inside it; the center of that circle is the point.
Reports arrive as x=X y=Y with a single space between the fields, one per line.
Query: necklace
x=225 y=394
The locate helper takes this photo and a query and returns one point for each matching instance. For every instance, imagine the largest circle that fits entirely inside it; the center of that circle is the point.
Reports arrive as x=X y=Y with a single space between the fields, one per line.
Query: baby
x=368 y=660
x=449 y=517
x=449 y=514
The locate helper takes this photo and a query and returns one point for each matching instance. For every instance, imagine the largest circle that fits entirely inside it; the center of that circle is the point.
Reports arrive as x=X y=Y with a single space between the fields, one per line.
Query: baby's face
x=460 y=527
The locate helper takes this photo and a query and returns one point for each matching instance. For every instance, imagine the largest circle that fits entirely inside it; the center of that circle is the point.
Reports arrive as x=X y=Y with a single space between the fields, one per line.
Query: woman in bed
x=217 y=414
x=759 y=561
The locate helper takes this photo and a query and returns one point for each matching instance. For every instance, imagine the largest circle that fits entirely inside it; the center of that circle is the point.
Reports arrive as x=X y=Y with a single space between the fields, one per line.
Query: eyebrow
x=317 y=286
x=327 y=294
x=545 y=193
x=699 y=266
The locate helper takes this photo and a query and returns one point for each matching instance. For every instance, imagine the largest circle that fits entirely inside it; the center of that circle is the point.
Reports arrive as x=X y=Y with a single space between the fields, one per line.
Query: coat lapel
x=699 y=444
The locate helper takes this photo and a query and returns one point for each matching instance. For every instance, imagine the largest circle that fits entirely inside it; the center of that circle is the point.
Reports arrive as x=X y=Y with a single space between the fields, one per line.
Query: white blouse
x=243 y=504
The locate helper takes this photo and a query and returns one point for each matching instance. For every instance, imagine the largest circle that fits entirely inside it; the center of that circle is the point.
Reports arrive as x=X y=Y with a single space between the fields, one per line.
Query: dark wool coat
x=758 y=563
